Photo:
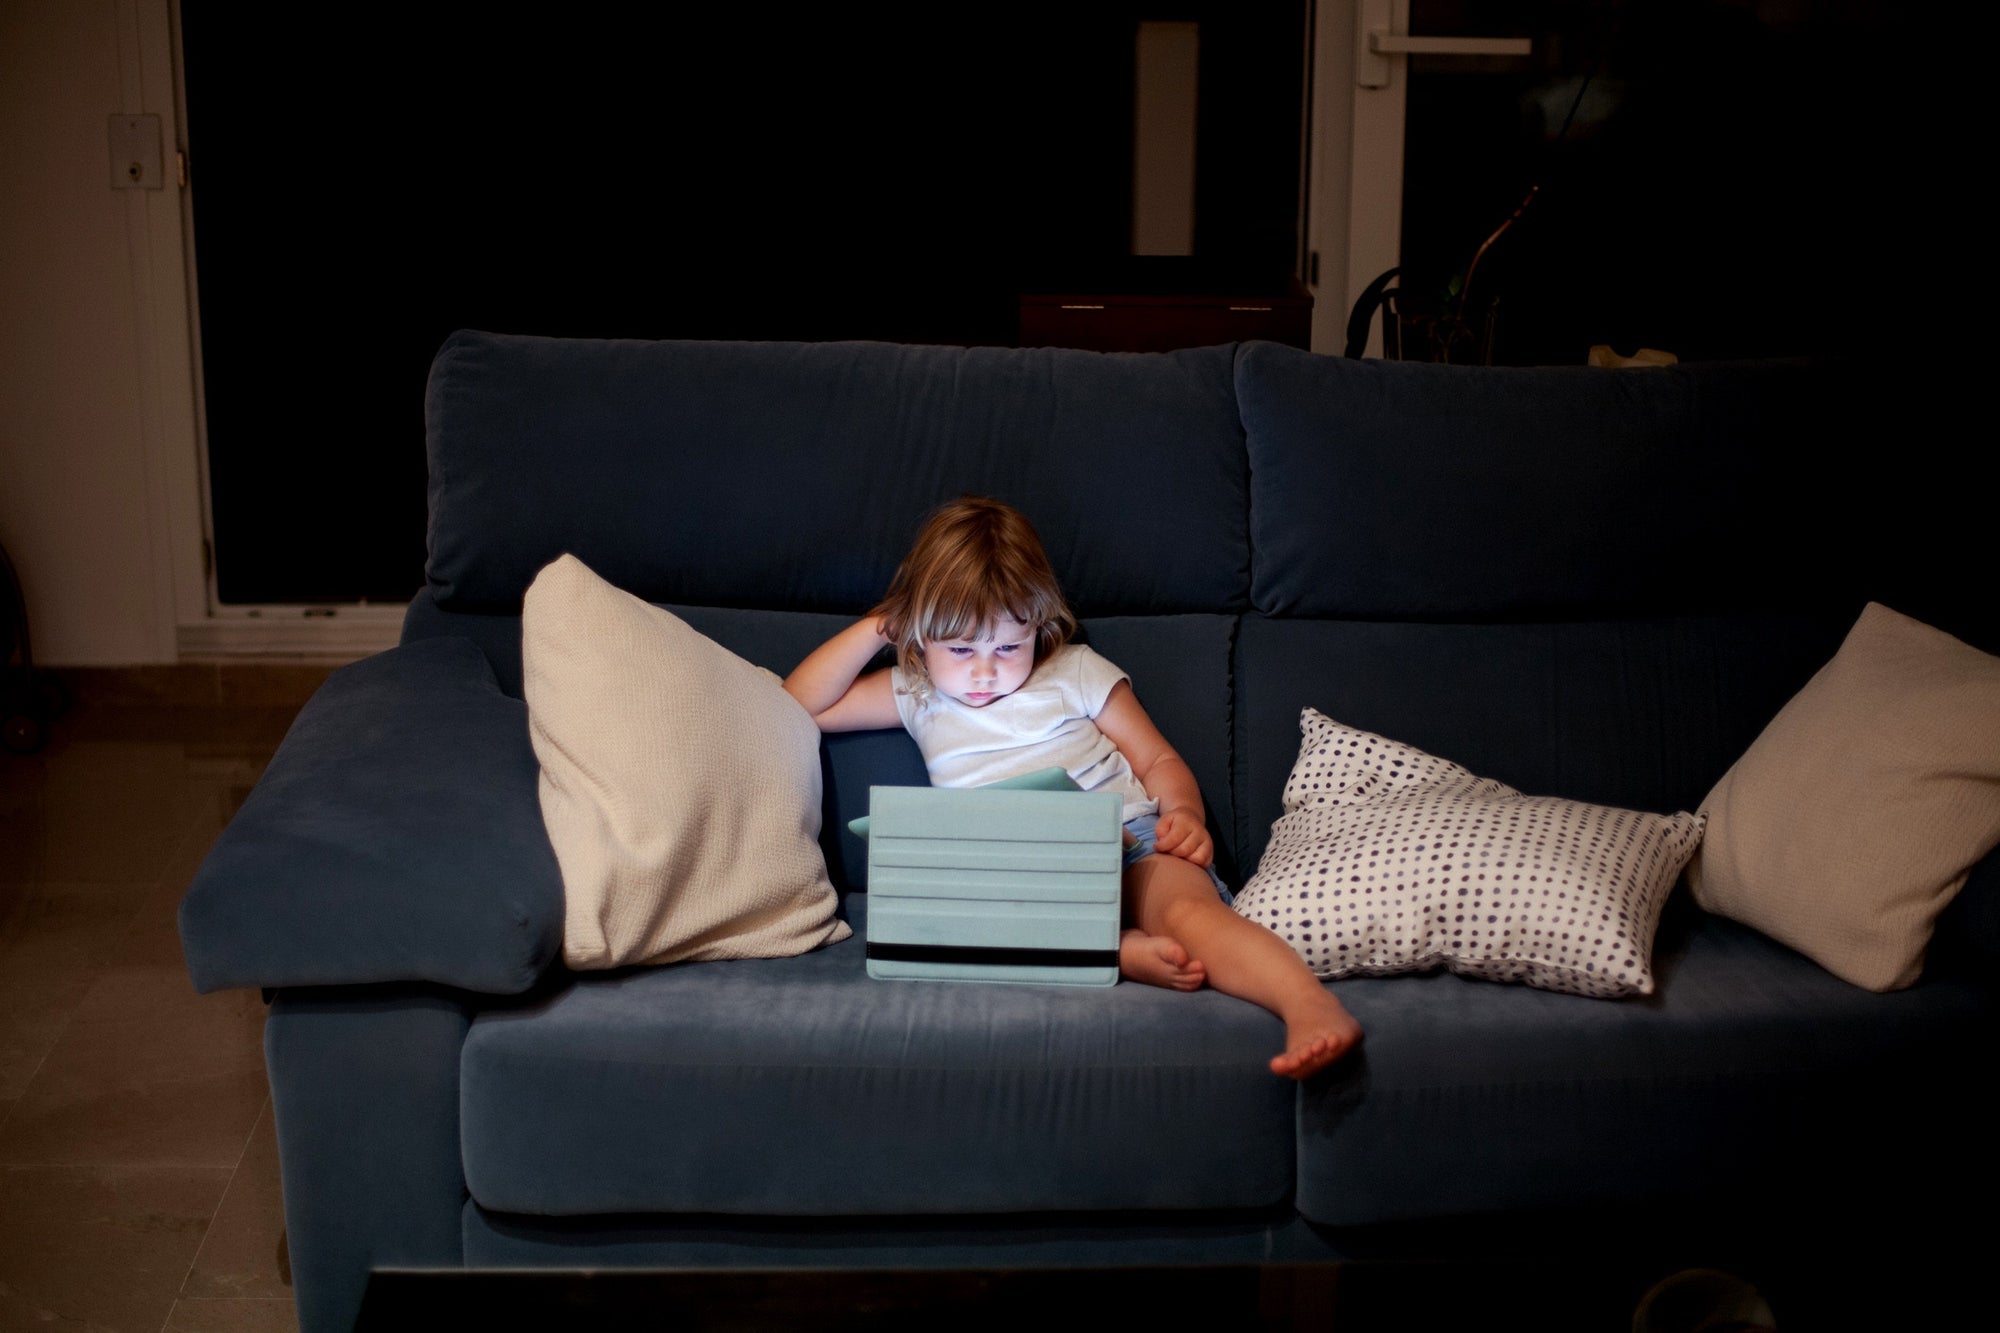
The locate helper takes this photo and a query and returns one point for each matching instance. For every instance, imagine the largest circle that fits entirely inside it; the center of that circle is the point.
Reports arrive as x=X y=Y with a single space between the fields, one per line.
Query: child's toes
x=1311 y=1056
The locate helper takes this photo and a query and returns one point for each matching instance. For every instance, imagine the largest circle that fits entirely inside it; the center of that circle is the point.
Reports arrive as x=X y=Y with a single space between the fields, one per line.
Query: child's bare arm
x=826 y=683
x=1183 y=826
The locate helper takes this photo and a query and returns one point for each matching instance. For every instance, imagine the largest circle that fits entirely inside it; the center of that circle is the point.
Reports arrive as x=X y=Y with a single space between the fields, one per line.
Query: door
x=1355 y=172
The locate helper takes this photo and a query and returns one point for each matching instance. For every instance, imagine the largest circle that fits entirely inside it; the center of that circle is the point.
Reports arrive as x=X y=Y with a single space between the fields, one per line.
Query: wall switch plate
x=135 y=153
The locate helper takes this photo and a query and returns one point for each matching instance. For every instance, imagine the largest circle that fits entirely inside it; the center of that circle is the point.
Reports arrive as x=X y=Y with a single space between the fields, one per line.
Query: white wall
x=99 y=492
x=101 y=489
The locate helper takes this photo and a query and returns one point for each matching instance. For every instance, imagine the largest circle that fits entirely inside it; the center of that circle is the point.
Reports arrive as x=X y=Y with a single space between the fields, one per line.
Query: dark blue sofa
x=1590 y=583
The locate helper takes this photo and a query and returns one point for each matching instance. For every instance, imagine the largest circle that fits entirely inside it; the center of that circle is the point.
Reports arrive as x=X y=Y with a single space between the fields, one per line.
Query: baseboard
x=320 y=633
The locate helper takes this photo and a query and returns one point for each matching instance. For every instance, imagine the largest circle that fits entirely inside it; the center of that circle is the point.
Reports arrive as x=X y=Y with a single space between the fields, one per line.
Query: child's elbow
x=801 y=699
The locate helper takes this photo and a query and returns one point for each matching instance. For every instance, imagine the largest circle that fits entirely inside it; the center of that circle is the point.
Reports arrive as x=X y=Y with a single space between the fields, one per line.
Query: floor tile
x=93 y=688
x=205 y=1315
x=139 y=1184
x=150 y=933
x=260 y=727
x=23 y=803
x=244 y=1254
x=115 y=810
x=193 y=684
x=99 y=1247
x=146 y=1073
x=281 y=685
x=54 y=940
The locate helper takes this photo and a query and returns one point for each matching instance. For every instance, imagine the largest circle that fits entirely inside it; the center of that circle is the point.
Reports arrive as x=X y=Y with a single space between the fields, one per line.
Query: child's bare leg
x=1158 y=960
x=1168 y=896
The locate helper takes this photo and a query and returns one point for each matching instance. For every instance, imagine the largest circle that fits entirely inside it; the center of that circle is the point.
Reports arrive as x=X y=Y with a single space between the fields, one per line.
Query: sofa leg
x=364 y=1088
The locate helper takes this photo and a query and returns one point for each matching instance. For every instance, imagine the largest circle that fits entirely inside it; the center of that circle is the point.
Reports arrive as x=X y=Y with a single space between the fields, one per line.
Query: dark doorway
x=367 y=179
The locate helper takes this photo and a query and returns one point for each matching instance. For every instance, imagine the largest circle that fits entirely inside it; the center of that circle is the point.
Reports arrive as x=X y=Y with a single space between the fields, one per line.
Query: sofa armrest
x=395 y=836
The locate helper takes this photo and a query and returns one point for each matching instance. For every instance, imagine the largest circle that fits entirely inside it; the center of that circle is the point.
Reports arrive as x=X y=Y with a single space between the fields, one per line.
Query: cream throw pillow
x=680 y=784
x=1854 y=818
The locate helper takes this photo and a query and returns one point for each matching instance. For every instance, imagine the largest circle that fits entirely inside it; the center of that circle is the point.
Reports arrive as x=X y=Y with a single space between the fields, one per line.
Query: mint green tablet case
x=1042 y=779
x=994 y=884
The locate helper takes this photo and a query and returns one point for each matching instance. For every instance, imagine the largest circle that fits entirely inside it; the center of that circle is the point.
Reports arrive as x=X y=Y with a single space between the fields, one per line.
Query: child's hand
x=1182 y=833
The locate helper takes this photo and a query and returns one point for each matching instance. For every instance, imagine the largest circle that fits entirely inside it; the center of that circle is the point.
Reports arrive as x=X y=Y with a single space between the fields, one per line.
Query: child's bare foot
x=1158 y=960
x=1315 y=1039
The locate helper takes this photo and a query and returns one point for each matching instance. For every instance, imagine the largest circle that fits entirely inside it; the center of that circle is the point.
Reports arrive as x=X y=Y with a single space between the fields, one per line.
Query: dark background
x=1738 y=180
x=366 y=185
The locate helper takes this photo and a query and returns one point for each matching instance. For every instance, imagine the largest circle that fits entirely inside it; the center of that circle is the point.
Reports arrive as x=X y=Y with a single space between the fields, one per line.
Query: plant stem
x=1465 y=289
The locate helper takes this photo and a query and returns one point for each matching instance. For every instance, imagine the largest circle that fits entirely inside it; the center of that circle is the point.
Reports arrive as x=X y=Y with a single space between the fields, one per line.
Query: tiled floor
x=138 y=1167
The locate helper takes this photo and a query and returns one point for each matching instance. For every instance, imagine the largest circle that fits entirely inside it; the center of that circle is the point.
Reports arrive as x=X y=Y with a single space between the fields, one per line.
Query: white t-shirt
x=1047 y=723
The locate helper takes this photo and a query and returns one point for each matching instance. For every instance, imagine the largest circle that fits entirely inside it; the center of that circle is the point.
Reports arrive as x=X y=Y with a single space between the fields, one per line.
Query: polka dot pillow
x=1390 y=860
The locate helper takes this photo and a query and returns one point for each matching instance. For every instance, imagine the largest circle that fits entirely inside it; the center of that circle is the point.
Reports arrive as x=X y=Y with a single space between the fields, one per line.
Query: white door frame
x=1358 y=103
x=202 y=626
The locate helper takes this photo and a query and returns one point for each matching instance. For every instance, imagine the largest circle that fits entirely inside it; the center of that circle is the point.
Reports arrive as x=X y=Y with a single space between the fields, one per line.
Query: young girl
x=990 y=687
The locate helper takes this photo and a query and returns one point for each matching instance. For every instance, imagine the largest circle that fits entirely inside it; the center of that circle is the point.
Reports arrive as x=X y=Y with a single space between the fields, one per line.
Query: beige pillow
x=1852 y=820
x=680 y=784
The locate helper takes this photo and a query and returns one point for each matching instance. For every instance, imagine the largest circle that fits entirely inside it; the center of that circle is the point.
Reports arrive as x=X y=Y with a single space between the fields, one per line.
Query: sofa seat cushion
x=800 y=1087
x=1750 y=1072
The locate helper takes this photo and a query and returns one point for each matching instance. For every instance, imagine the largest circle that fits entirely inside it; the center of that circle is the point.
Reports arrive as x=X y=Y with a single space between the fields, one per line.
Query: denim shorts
x=1140 y=829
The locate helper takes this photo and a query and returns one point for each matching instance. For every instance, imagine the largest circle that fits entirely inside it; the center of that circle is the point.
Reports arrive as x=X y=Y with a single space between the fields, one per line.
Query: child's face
x=978 y=670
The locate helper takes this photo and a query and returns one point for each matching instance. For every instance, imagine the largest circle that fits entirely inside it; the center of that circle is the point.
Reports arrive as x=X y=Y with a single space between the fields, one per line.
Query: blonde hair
x=975 y=560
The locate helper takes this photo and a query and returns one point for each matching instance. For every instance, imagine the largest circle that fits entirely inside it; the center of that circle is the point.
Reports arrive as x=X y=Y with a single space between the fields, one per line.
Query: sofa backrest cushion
x=1644 y=714
x=1389 y=490
x=792 y=476
x=1179 y=665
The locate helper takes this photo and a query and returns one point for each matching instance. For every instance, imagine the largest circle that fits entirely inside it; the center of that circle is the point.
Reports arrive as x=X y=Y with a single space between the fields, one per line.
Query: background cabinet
x=1163 y=321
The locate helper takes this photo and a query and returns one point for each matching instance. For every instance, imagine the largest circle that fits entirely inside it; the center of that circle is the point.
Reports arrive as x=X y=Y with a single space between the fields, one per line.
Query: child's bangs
x=969 y=612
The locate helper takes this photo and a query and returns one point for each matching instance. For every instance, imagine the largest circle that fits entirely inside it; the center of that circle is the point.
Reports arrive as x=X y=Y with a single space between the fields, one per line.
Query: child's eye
x=959 y=650
x=1007 y=648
